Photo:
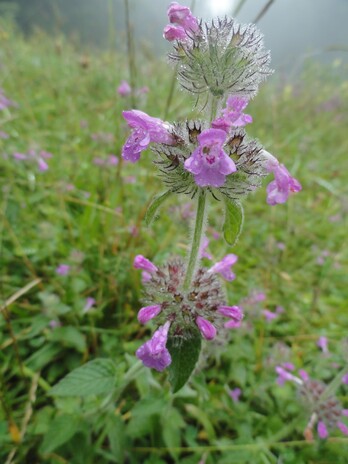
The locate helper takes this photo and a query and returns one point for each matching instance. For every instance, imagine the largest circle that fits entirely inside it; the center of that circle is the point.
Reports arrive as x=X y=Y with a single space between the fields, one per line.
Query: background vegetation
x=88 y=215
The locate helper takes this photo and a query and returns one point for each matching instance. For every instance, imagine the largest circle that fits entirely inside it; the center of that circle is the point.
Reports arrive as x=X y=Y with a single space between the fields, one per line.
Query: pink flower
x=232 y=324
x=283 y=184
x=304 y=375
x=233 y=312
x=235 y=394
x=140 y=262
x=63 y=269
x=223 y=267
x=269 y=316
x=345 y=379
x=88 y=305
x=145 y=277
x=209 y=163
x=124 y=89
x=4 y=101
x=206 y=328
x=145 y=130
x=203 y=251
x=232 y=115
x=148 y=312
x=171 y=33
x=342 y=427
x=322 y=343
x=154 y=353
x=182 y=23
x=322 y=430
x=113 y=160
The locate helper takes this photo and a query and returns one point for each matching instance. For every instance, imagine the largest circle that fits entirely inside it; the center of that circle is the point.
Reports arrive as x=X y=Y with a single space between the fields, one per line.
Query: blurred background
x=293 y=29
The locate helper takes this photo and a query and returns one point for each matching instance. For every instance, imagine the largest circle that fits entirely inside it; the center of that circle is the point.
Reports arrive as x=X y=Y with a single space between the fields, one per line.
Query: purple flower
x=342 y=427
x=304 y=375
x=232 y=115
x=235 y=394
x=63 y=269
x=233 y=312
x=203 y=251
x=145 y=277
x=145 y=130
x=206 y=328
x=209 y=163
x=269 y=316
x=232 y=324
x=183 y=20
x=4 y=101
x=88 y=305
x=223 y=267
x=148 y=312
x=345 y=379
x=124 y=89
x=283 y=184
x=113 y=160
x=171 y=33
x=322 y=430
x=154 y=353
x=322 y=343
x=140 y=262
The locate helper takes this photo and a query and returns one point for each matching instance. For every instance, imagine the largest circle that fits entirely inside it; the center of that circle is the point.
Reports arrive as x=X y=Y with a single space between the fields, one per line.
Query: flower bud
x=140 y=262
x=148 y=312
x=206 y=328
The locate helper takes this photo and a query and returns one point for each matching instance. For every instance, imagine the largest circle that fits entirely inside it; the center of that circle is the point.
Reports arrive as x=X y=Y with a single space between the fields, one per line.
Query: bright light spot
x=222 y=7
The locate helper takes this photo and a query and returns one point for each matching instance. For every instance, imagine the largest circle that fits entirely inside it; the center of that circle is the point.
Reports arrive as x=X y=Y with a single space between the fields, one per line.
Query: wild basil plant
x=209 y=159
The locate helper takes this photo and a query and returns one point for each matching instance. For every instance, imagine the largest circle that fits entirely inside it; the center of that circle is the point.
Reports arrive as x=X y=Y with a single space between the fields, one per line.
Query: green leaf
x=69 y=336
x=156 y=202
x=234 y=218
x=184 y=358
x=93 y=378
x=62 y=428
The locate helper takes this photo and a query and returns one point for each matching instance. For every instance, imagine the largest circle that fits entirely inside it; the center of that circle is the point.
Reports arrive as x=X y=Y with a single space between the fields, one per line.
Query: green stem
x=196 y=241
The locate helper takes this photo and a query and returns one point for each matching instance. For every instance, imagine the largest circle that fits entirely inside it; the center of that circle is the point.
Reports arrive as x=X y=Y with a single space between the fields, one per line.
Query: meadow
x=70 y=229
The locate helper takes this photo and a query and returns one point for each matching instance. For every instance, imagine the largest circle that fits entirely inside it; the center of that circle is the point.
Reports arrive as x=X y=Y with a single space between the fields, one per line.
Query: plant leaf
x=184 y=358
x=93 y=378
x=61 y=430
x=234 y=218
x=156 y=202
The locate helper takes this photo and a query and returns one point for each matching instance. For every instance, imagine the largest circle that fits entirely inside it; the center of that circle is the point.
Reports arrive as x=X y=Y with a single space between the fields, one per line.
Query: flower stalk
x=196 y=240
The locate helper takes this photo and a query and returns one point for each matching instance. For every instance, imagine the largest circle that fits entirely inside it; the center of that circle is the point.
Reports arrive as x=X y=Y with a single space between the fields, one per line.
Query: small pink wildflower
x=140 y=262
x=124 y=89
x=203 y=251
x=90 y=302
x=209 y=163
x=322 y=343
x=148 y=312
x=283 y=184
x=269 y=316
x=146 y=129
x=232 y=115
x=154 y=353
x=63 y=269
x=345 y=379
x=235 y=394
x=223 y=267
x=206 y=328
x=322 y=430
x=182 y=23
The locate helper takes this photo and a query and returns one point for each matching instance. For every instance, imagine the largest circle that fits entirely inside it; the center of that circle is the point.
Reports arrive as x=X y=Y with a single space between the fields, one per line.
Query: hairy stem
x=197 y=238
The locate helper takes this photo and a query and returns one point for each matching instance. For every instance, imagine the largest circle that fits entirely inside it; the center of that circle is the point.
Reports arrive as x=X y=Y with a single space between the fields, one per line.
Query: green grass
x=44 y=225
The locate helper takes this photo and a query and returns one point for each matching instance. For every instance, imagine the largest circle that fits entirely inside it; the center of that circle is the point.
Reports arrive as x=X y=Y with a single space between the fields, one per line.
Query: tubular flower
x=140 y=262
x=232 y=115
x=148 y=312
x=209 y=163
x=206 y=328
x=145 y=130
x=181 y=22
x=223 y=267
x=154 y=353
x=283 y=184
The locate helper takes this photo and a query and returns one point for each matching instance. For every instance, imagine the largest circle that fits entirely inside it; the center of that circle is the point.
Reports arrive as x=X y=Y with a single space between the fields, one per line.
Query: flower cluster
x=179 y=311
x=226 y=62
x=326 y=410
